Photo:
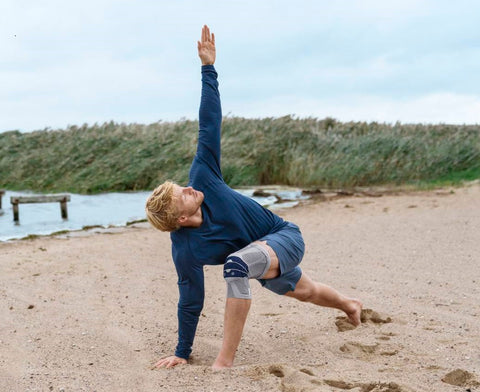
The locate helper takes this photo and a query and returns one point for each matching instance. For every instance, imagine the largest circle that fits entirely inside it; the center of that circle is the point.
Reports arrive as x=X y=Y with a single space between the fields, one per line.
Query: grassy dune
x=301 y=152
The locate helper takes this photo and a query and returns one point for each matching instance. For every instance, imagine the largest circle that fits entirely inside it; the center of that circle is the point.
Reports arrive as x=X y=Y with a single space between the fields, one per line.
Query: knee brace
x=251 y=262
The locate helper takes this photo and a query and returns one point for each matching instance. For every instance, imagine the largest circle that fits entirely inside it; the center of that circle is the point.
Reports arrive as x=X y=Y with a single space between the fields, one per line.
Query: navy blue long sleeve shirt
x=230 y=220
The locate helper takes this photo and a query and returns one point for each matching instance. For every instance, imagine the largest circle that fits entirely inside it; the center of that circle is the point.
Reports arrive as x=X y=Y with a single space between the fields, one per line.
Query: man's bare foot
x=220 y=364
x=354 y=311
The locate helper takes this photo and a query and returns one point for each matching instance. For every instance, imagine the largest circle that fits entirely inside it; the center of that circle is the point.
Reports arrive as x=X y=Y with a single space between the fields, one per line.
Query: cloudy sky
x=65 y=62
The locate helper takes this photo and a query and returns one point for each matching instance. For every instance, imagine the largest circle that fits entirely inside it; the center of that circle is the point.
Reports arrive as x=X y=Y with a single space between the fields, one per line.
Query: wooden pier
x=61 y=198
x=2 y=192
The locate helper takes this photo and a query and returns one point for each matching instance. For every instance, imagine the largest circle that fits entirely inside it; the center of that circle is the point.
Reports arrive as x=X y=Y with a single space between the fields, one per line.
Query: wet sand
x=93 y=313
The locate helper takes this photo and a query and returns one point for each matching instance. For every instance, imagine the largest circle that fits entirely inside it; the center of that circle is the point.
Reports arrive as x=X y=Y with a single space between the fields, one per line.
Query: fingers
x=160 y=364
x=207 y=33
x=206 y=36
x=173 y=362
x=168 y=362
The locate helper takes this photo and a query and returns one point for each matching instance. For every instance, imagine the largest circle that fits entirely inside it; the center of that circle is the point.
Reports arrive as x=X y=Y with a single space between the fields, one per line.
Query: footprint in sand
x=354 y=347
x=367 y=316
x=277 y=371
x=295 y=380
x=366 y=351
x=461 y=378
x=385 y=335
x=367 y=387
x=289 y=379
x=304 y=380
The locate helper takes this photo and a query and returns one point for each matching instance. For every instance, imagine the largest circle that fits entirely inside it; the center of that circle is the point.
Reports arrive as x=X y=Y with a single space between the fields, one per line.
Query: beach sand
x=93 y=313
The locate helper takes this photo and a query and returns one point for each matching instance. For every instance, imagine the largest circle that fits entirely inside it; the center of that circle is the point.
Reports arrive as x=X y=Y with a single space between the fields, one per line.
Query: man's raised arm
x=210 y=113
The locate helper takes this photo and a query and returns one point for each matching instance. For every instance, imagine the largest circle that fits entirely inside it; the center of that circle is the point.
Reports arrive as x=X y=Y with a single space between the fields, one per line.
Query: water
x=108 y=209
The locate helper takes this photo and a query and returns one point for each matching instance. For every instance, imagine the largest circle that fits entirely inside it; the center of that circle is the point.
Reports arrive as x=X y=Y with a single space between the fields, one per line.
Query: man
x=212 y=224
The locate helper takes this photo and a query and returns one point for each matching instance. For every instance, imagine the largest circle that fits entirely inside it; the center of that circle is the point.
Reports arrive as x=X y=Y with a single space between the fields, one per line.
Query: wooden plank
x=62 y=197
x=2 y=192
x=15 y=213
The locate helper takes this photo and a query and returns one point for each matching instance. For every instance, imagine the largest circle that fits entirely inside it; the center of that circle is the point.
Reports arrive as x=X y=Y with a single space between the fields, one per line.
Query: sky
x=91 y=61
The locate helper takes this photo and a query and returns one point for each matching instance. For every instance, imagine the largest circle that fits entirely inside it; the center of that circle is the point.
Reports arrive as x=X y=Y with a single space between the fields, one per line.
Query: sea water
x=107 y=209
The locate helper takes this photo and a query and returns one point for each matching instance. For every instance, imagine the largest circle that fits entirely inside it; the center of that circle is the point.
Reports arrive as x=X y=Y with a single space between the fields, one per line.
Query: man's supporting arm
x=190 y=305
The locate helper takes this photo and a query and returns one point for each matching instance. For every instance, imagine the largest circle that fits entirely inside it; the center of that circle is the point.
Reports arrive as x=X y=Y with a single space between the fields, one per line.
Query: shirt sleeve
x=210 y=121
x=190 y=304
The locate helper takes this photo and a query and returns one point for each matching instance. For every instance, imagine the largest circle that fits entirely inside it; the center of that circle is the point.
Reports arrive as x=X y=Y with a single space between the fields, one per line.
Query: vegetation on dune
x=301 y=152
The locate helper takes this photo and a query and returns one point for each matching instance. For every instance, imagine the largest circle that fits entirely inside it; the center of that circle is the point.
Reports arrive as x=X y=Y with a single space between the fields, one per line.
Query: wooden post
x=63 y=208
x=2 y=192
x=15 y=212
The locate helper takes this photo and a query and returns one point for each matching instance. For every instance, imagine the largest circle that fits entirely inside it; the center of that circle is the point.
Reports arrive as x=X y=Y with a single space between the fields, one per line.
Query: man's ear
x=182 y=219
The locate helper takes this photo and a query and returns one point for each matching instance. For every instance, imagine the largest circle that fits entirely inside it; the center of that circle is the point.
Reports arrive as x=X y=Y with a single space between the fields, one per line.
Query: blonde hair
x=161 y=209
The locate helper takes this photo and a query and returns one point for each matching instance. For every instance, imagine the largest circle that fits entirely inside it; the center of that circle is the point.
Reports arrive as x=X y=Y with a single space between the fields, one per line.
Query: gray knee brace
x=251 y=262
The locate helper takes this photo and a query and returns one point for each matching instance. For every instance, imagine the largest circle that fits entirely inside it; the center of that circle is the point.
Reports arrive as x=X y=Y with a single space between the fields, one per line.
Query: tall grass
x=301 y=152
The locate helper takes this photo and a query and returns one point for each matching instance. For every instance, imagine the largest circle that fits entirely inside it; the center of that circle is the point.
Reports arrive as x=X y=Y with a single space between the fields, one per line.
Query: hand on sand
x=206 y=47
x=169 y=362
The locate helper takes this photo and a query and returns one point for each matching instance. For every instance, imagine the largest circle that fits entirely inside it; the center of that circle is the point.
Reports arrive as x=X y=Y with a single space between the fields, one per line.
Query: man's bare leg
x=236 y=311
x=319 y=294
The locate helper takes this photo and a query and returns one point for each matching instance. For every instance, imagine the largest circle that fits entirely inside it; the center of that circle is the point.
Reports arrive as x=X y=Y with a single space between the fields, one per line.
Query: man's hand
x=206 y=47
x=169 y=362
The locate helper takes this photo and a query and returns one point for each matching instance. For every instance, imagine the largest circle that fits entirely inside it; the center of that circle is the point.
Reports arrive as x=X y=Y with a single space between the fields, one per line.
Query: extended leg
x=319 y=294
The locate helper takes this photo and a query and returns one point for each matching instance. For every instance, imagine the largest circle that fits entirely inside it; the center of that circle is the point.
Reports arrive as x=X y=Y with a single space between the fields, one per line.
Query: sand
x=94 y=312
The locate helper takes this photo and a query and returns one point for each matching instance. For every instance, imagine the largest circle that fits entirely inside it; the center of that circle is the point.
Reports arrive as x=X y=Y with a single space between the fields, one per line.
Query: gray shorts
x=289 y=248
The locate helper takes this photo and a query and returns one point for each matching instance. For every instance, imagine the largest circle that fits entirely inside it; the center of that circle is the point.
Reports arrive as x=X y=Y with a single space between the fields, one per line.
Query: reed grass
x=301 y=152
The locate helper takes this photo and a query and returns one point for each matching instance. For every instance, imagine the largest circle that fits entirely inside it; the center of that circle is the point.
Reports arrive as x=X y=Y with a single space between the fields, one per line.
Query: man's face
x=188 y=200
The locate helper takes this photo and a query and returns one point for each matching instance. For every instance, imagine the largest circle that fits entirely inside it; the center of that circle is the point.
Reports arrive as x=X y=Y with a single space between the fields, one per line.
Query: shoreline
x=314 y=195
